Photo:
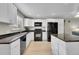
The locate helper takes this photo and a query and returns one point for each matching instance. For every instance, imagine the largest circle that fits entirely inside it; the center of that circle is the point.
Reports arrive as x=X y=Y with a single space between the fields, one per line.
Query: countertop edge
x=25 y=33
x=66 y=40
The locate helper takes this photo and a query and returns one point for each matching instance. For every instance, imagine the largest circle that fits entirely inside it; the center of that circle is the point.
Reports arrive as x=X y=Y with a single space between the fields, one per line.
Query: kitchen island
x=64 y=45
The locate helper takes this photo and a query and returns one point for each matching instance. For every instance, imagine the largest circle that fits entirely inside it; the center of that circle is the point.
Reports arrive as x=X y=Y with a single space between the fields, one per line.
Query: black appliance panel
x=38 y=24
x=38 y=35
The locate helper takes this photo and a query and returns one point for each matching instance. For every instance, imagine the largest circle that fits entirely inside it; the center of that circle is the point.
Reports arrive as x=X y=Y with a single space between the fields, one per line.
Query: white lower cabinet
x=54 y=45
x=15 y=47
x=72 y=48
x=5 y=49
x=58 y=46
x=44 y=36
x=62 y=47
x=10 y=49
x=29 y=38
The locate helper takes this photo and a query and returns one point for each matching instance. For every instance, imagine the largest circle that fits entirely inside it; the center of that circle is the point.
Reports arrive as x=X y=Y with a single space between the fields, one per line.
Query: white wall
x=69 y=26
x=68 y=31
x=4 y=28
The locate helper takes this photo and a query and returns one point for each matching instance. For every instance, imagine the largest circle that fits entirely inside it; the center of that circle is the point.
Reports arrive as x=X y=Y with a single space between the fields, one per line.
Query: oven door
x=38 y=35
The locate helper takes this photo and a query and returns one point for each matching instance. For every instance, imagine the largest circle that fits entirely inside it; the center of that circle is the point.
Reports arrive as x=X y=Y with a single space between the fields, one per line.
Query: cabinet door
x=4 y=13
x=3 y=10
x=54 y=45
x=4 y=49
x=62 y=47
x=28 y=22
x=12 y=14
x=20 y=20
x=15 y=47
x=29 y=38
x=44 y=37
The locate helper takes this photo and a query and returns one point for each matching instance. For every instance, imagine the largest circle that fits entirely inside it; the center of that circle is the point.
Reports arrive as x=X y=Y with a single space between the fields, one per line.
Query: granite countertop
x=34 y=31
x=11 y=39
x=66 y=38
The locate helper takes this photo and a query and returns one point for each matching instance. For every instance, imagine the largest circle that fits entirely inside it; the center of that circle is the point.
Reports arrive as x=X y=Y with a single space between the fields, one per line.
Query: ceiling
x=48 y=10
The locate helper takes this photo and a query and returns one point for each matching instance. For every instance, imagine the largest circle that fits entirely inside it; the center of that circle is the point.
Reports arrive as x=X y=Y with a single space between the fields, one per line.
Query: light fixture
x=75 y=29
x=77 y=15
x=74 y=26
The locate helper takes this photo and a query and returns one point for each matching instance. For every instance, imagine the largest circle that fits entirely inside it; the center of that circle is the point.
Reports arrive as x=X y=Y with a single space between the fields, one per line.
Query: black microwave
x=38 y=24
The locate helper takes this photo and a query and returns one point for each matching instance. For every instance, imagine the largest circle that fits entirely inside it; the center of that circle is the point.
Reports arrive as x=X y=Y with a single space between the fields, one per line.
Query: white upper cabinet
x=15 y=47
x=20 y=20
x=12 y=14
x=4 y=13
x=3 y=10
x=8 y=13
x=26 y=22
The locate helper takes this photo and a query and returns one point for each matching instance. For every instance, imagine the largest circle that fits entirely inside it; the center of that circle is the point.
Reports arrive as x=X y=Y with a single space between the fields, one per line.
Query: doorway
x=52 y=29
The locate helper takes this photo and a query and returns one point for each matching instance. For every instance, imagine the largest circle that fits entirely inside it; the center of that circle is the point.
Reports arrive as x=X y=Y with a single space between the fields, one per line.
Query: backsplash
x=5 y=29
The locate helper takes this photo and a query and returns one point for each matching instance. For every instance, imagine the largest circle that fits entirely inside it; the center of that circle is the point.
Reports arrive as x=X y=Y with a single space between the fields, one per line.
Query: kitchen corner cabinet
x=15 y=47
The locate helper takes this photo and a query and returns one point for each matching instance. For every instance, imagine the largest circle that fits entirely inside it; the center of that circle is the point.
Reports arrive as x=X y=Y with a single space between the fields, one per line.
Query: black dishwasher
x=22 y=44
